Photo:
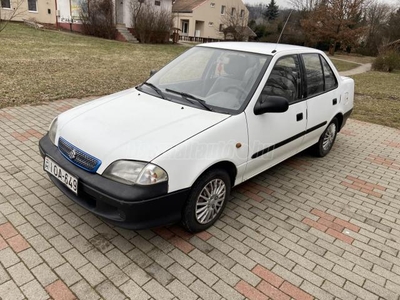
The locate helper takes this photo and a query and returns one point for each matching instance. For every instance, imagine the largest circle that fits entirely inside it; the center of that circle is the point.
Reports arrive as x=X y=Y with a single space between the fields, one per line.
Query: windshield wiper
x=187 y=96
x=154 y=88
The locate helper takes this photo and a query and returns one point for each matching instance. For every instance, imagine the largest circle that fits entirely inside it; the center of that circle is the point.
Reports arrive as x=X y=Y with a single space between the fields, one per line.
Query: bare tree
x=335 y=21
x=304 y=5
x=97 y=18
x=234 y=22
x=377 y=16
x=136 y=8
x=151 y=24
x=9 y=15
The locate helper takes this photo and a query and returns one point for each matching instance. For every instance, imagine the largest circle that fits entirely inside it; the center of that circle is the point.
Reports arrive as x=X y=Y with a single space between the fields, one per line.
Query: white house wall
x=64 y=9
x=204 y=12
x=165 y=5
x=45 y=13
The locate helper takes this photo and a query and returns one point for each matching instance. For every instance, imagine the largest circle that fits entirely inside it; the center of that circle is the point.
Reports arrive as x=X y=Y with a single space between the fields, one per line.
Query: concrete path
x=323 y=228
x=361 y=69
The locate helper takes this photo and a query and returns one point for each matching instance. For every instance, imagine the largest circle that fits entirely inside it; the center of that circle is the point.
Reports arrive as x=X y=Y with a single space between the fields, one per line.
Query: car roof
x=257 y=47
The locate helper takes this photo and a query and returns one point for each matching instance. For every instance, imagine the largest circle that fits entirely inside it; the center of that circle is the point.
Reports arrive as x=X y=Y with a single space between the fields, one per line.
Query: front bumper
x=128 y=206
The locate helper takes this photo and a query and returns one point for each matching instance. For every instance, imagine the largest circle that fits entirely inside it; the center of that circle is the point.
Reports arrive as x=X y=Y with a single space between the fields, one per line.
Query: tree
x=376 y=17
x=234 y=23
x=152 y=24
x=9 y=15
x=393 y=28
x=272 y=11
x=97 y=18
x=334 y=21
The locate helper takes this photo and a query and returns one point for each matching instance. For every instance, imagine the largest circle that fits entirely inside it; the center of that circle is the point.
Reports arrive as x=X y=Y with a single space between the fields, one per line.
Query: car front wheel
x=327 y=139
x=207 y=200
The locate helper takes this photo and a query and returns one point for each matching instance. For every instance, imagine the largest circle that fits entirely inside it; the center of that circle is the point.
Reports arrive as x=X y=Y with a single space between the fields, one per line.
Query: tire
x=210 y=207
x=327 y=139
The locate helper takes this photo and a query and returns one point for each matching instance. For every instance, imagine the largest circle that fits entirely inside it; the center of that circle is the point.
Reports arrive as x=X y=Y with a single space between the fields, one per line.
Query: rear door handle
x=334 y=101
x=299 y=117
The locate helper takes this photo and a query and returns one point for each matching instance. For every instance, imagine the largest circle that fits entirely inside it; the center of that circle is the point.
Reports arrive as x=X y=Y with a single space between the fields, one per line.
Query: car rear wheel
x=327 y=139
x=207 y=200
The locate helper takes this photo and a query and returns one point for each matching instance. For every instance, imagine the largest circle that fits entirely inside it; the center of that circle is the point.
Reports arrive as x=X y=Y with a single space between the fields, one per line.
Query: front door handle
x=334 y=101
x=299 y=117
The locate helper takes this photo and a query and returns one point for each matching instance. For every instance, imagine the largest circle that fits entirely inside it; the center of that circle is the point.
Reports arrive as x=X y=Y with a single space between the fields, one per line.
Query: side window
x=329 y=76
x=284 y=79
x=315 y=78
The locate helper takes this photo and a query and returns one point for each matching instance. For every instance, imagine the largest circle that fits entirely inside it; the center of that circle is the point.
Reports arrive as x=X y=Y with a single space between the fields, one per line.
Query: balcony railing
x=198 y=39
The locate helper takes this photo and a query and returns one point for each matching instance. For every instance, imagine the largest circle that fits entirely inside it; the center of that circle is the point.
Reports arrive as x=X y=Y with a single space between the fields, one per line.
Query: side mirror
x=271 y=104
x=152 y=72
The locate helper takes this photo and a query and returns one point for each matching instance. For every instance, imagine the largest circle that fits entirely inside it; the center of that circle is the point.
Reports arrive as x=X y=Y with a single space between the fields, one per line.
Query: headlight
x=53 y=130
x=130 y=172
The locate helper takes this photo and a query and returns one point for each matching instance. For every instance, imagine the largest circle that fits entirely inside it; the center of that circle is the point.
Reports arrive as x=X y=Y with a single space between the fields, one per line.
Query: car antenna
x=284 y=26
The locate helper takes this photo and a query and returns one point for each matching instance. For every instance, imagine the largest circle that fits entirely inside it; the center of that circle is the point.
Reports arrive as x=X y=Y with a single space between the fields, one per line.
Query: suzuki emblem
x=72 y=154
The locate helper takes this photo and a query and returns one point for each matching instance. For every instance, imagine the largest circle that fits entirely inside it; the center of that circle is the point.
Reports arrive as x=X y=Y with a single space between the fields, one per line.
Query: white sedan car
x=172 y=148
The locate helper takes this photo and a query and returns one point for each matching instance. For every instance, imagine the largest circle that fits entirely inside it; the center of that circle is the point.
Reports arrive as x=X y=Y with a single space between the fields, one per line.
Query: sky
x=286 y=4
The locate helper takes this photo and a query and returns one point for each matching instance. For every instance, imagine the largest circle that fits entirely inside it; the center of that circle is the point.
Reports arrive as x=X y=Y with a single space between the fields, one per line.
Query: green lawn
x=377 y=98
x=47 y=65
x=343 y=65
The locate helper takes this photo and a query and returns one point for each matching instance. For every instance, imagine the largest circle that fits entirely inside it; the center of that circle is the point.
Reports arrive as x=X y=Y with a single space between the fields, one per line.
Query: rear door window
x=314 y=74
x=329 y=77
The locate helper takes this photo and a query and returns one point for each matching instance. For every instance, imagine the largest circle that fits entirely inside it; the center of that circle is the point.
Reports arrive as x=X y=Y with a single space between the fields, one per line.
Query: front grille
x=78 y=157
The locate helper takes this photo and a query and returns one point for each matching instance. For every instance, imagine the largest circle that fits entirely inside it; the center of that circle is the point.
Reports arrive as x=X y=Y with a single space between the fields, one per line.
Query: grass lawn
x=377 y=98
x=354 y=58
x=343 y=65
x=46 y=65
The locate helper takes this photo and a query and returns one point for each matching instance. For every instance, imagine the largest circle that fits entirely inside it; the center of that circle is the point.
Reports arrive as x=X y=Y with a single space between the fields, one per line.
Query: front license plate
x=67 y=179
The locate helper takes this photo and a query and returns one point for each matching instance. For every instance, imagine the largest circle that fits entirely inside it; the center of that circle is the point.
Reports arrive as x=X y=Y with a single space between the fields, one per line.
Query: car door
x=274 y=137
x=322 y=95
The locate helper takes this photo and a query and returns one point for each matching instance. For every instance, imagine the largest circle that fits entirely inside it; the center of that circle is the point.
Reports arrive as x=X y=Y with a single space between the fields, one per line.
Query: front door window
x=185 y=27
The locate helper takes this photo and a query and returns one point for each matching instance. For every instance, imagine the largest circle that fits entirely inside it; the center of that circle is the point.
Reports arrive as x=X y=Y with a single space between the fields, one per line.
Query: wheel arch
x=226 y=165
x=339 y=118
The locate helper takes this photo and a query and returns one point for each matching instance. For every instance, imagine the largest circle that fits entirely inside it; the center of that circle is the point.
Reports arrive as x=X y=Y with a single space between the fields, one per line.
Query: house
x=41 y=11
x=69 y=12
x=202 y=20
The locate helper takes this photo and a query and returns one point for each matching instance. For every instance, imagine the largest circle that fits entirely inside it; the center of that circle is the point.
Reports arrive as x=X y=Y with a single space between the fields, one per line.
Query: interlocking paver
x=84 y=291
x=324 y=228
x=59 y=291
x=9 y=291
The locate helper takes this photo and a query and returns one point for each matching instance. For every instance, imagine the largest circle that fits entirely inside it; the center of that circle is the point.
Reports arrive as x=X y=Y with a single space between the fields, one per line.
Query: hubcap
x=329 y=137
x=210 y=201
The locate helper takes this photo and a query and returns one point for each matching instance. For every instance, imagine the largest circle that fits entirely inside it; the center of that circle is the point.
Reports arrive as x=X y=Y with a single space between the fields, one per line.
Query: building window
x=157 y=3
x=242 y=13
x=233 y=12
x=212 y=4
x=32 y=5
x=6 y=3
x=210 y=24
x=223 y=7
x=221 y=27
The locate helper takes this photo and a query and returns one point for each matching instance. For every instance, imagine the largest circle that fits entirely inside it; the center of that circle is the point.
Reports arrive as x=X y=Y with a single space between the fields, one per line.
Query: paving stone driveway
x=324 y=228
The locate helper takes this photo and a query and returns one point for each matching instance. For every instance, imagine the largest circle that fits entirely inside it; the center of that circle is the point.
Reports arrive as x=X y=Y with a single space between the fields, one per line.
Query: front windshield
x=221 y=79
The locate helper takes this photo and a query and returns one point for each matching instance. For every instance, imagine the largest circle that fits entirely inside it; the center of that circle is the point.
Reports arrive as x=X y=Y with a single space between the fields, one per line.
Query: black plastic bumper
x=345 y=117
x=133 y=207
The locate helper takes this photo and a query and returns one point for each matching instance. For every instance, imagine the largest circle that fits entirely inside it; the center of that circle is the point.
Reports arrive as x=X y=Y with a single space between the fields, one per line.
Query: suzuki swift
x=172 y=148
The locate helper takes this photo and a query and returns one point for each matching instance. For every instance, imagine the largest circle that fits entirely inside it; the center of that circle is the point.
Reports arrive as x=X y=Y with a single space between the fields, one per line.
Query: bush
x=387 y=61
x=97 y=18
x=152 y=24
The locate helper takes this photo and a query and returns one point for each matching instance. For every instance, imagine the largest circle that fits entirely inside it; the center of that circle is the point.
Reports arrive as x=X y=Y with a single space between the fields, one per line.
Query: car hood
x=132 y=125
